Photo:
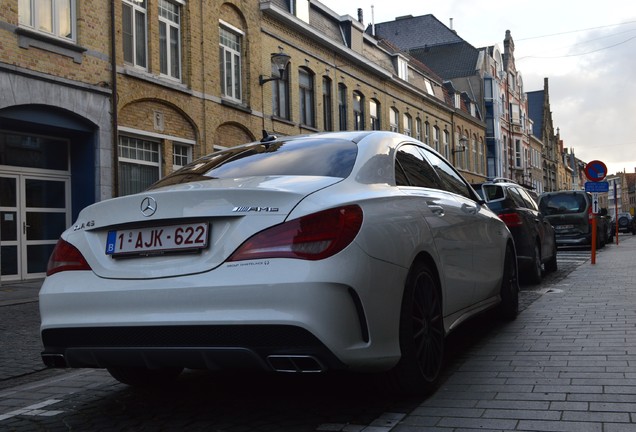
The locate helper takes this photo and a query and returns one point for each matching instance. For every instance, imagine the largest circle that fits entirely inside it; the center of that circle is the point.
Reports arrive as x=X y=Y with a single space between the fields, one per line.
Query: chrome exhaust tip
x=54 y=360
x=295 y=364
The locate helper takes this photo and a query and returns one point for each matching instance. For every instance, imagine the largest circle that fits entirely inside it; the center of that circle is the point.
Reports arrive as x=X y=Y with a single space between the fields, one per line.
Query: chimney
x=360 y=16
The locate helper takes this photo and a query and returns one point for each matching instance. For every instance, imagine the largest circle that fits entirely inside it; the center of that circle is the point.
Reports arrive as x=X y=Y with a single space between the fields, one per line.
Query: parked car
x=534 y=236
x=570 y=213
x=626 y=223
x=352 y=251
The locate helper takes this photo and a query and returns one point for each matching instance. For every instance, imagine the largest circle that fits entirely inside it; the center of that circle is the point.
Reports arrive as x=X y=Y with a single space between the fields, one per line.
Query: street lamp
x=462 y=145
x=280 y=60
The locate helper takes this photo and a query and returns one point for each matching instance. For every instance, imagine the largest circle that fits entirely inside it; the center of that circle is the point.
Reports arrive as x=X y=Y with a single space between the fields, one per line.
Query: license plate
x=563 y=227
x=157 y=240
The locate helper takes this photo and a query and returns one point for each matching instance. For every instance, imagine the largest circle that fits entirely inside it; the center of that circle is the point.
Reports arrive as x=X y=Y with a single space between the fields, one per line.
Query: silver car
x=355 y=251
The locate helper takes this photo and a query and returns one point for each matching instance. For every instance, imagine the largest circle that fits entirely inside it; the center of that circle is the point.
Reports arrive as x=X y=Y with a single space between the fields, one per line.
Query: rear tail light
x=65 y=257
x=313 y=237
x=511 y=219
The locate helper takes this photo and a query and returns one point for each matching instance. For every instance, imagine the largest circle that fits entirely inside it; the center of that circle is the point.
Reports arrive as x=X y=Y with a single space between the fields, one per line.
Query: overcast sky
x=586 y=49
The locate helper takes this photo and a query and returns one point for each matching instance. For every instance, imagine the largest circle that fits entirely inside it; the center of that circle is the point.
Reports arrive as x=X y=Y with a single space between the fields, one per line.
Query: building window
x=475 y=161
x=280 y=96
x=445 y=143
x=342 y=106
x=306 y=93
x=170 y=39
x=459 y=156
x=403 y=69
x=327 y=111
x=436 y=138
x=393 y=120
x=358 y=111
x=407 y=124
x=139 y=164
x=418 y=129
x=134 y=32
x=518 y=156
x=429 y=87
x=482 y=156
x=230 y=61
x=374 y=114
x=427 y=133
x=181 y=156
x=53 y=17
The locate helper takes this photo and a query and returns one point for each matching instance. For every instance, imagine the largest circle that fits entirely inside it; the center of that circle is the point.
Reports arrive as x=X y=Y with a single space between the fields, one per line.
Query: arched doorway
x=47 y=164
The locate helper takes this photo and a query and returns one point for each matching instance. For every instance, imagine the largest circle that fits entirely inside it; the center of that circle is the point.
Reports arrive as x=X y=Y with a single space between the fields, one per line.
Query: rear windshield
x=566 y=203
x=308 y=157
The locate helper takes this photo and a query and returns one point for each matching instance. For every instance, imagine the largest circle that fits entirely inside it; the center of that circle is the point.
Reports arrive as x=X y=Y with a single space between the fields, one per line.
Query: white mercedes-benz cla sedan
x=355 y=251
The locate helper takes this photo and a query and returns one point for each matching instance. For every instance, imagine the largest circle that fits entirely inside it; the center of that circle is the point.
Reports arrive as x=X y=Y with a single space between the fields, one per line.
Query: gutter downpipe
x=113 y=115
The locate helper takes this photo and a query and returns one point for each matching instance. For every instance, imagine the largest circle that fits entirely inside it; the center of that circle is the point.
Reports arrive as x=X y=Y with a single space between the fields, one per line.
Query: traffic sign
x=595 y=207
x=595 y=170
x=596 y=186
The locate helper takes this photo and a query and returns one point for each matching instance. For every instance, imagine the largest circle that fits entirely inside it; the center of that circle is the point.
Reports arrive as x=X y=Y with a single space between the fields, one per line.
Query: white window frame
x=445 y=143
x=436 y=135
x=418 y=129
x=136 y=8
x=374 y=114
x=518 y=154
x=148 y=147
x=393 y=120
x=403 y=68
x=170 y=24
x=184 y=153
x=29 y=16
x=407 y=124
x=236 y=63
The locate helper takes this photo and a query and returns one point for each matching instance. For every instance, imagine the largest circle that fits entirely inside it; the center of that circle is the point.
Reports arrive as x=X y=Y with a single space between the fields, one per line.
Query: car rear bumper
x=334 y=315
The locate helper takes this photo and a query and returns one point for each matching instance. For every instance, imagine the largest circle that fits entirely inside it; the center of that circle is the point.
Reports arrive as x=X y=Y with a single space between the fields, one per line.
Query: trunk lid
x=232 y=211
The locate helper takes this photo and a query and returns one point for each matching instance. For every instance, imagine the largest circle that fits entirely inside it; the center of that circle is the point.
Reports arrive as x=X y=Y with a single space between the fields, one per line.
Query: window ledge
x=236 y=105
x=30 y=38
x=131 y=71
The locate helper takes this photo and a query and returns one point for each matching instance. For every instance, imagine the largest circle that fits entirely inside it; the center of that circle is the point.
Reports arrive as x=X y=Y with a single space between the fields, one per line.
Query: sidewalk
x=12 y=293
x=567 y=363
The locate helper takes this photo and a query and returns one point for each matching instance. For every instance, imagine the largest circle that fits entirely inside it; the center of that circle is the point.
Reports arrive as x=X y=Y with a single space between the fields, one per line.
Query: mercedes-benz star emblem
x=148 y=206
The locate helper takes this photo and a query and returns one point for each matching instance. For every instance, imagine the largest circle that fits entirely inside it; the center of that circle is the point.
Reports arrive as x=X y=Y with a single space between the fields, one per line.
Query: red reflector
x=511 y=219
x=312 y=237
x=65 y=257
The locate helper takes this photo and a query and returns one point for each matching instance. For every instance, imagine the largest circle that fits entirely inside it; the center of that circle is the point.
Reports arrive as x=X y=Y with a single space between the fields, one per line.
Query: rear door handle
x=466 y=208
x=435 y=208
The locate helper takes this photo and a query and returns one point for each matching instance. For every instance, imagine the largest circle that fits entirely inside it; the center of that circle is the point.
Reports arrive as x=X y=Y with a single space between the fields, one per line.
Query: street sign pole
x=595 y=171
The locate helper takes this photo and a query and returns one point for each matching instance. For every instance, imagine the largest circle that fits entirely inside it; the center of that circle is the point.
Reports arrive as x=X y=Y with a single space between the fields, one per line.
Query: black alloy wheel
x=421 y=334
x=509 y=306
x=534 y=274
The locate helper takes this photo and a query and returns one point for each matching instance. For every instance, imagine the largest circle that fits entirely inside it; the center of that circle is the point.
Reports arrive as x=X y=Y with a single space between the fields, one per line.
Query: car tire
x=534 y=270
x=551 y=264
x=421 y=335
x=509 y=306
x=144 y=377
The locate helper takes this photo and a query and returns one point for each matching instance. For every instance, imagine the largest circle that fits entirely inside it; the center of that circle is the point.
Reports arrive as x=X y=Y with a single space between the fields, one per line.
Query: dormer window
x=300 y=9
x=403 y=68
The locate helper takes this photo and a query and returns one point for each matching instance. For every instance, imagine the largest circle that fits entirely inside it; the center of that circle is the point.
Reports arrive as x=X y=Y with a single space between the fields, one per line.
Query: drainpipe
x=113 y=99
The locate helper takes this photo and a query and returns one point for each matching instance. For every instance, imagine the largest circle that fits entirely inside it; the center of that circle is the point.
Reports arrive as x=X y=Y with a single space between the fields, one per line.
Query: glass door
x=9 y=223
x=34 y=210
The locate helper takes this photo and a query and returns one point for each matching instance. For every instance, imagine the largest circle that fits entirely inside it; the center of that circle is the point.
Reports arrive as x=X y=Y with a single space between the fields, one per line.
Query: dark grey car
x=570 y=213
x=533 y=234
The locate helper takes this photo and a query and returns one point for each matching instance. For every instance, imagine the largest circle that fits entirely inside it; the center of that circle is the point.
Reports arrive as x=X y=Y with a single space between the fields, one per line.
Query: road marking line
x=384 y=423
x=33 y=410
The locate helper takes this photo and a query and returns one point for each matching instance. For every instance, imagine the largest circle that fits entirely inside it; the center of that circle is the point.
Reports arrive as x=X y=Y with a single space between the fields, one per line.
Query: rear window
x=566 y=203
x=492 y=192
x=308 y=157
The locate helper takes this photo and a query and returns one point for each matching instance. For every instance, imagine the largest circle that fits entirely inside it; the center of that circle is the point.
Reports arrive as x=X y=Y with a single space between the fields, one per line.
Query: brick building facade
x=104 y=98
